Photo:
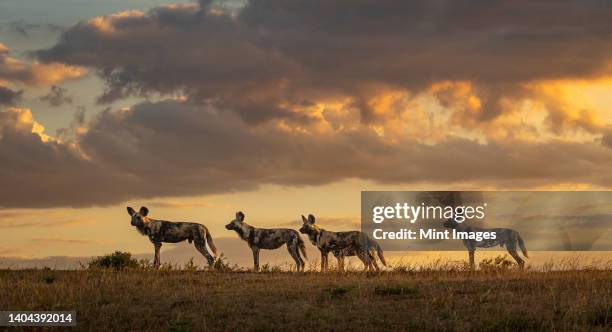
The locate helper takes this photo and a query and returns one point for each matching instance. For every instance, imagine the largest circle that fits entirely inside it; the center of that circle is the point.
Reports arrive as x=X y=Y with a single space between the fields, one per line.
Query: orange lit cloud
x=44 y=224
x=304 y=93
x=47 y=240
x=15 y=71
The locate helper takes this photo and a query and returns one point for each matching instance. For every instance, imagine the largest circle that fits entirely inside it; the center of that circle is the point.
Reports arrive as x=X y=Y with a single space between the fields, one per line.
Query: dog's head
x=236 y=224
x=309 y=226
x=138 y=218
x=450 y=223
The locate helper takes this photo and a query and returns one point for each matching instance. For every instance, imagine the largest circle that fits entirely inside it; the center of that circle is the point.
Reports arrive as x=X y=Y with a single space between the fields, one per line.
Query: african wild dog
x=341 y=244
x=160 y=231
x=261 y=238
x=503 y=237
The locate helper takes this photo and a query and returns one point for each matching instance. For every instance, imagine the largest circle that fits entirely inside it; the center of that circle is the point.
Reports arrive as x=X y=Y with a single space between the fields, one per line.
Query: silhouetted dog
x=504 y=237
x=160 y=231
x=261 y=238
x=342 y=244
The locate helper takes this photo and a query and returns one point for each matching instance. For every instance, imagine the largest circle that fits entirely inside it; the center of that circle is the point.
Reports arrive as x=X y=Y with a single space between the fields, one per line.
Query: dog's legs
x=324 y=261
x=296 y=245
x=373 y=260
x=365 y=259
x=517 y=258
x=472 y=264
x=297 y=252
x=511 y=248
x=201 y=246
x=293 y=251
x=156 y=260
x=255 y=259
x=340 y=258
x=368 y=260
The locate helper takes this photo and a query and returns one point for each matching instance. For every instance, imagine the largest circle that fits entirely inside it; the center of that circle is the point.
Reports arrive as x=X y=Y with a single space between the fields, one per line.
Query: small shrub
x=338 y=291
x=49 y=279
x=395 y=290
x=499 y=263
x=222 y=265
x=267 y=268
x=145 y=264
x=404 y=269
x=190 y=265
x=118 y=261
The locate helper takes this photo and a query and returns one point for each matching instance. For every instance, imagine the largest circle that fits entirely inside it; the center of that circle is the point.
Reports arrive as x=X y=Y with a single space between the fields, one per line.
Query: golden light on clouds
x=24 y=120
x=49 y=74
x=566 y=110
x=106 y=24
x=171 y=105
x=573 y=104
x=16 y=71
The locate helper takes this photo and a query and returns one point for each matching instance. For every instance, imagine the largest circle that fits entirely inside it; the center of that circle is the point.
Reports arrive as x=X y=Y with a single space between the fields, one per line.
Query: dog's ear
x=130 y=211
x=311 y=219
x=304 y=220
x=144 y=211
x=240 y=216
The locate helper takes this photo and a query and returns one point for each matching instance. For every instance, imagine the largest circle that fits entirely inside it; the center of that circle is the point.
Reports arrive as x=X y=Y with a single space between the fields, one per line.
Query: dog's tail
x=302 y=246
x=379 y=251
x=521 y=244
x=210 y=242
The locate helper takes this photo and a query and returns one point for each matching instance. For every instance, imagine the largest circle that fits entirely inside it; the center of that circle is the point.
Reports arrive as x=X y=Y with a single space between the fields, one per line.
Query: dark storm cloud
x=8 y=96
x=274 y=54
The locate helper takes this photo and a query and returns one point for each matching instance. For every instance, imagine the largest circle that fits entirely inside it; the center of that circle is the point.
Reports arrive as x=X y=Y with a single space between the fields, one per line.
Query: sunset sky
x=281 y=108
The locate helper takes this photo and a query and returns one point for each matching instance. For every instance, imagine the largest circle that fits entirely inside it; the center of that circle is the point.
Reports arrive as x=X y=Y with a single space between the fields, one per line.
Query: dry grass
x=403 y=298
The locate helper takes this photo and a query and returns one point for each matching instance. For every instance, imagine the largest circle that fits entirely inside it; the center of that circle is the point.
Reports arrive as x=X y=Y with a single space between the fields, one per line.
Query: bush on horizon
x=118 y=260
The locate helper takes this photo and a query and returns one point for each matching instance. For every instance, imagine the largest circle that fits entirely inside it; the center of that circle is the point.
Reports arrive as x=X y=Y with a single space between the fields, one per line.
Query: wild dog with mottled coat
x=342 y=244
x=504 y=237
x=160 y=231
x=262 y=238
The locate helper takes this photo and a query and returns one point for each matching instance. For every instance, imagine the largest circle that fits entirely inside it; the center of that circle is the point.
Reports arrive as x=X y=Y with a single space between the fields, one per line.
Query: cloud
x=16 y=71
x=271 y=58
x=44 y=224
x=276 y=155
x=188 y=205
x=312 y=92
x=60 y=241
x=11 y=214
x=8 y=96
x=39 y=171
x=57 y=96
x=24 y=28
x=175 y=148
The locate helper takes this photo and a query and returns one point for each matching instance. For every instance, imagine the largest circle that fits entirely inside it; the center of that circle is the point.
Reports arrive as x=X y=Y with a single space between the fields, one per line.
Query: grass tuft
x=49 y=279
x=337 y=292
x=601 y=316
x=179 y=326
x=397 y=289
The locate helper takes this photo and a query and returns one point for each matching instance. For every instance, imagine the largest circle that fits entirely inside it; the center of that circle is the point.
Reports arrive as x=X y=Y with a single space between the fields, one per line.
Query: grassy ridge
x=434 y=300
